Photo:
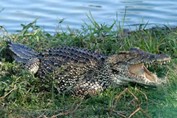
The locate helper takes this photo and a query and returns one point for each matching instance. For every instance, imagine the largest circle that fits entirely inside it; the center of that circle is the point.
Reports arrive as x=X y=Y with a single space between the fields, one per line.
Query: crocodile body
x=81 y=71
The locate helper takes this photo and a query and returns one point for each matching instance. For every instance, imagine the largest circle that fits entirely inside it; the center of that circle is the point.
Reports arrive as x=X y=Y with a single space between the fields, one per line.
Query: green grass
x=20 y=95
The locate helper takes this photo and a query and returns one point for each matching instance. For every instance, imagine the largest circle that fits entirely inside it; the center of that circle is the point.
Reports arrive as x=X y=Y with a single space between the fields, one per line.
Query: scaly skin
x=84 y=72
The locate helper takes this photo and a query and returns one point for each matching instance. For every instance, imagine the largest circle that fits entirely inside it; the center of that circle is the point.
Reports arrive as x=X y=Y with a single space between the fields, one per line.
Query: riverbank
x=20 y=97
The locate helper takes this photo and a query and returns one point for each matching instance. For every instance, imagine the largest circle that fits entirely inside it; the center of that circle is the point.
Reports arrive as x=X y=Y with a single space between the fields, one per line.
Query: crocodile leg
x=32 y=65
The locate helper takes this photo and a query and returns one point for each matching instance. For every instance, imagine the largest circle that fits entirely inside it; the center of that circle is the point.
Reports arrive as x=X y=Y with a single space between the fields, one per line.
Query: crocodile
x=84 y=72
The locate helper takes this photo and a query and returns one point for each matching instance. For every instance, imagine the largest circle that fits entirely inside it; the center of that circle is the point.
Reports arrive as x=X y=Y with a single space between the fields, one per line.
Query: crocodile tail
x=20 y=52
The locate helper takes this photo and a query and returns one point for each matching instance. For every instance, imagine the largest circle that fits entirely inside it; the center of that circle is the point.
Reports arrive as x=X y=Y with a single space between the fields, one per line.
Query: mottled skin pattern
x=71 y=67
x=84 y=72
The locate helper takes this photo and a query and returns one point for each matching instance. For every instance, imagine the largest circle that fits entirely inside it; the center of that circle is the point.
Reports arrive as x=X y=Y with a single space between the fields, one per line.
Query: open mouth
x=141 y=71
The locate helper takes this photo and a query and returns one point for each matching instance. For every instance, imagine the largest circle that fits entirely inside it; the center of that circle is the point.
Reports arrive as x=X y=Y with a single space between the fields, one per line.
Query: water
x=74 y=12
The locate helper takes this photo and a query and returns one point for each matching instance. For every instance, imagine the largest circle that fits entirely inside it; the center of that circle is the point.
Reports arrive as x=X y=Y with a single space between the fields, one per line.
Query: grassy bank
x=19 y=90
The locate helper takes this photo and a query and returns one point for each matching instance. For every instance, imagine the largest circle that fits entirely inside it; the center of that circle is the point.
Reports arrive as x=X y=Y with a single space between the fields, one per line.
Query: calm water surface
x=74 y=12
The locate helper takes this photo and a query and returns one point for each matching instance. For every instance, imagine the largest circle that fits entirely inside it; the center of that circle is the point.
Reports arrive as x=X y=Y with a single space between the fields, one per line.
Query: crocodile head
x=132 y=66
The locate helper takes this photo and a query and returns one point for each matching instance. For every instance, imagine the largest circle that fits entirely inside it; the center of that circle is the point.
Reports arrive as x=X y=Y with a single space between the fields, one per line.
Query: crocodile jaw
x=141 y=71
x=135 y=73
